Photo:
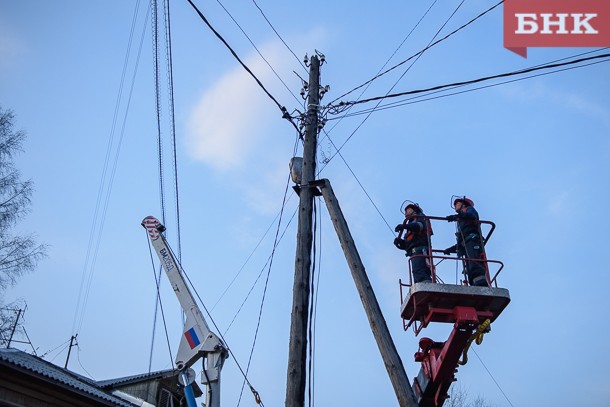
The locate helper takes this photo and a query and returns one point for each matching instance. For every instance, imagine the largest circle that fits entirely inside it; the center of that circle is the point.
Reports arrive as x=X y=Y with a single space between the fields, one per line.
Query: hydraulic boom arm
x=197 y=340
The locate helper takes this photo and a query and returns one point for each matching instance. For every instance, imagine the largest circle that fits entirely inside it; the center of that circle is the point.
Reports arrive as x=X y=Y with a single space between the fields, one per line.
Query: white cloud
x=570 y=100
x=11 y=49
x=221 y=129
x=234 y=115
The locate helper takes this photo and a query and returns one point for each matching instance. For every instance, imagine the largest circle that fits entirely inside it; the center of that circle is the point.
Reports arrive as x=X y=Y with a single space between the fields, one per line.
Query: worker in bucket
x=469 y=241
x=416 y=241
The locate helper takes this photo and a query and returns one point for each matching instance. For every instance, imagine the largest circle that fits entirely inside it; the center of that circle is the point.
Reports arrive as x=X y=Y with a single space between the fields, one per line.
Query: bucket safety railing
x=435 y=257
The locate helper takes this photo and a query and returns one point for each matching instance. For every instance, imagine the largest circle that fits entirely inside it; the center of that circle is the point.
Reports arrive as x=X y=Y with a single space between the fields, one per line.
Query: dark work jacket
x=417 y=237
x=468 y=222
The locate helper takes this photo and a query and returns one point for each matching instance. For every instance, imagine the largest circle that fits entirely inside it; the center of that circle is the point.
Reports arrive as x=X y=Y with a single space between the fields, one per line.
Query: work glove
x=449 y=250
x=451 y=218
x=399 y=227
x=399 y=243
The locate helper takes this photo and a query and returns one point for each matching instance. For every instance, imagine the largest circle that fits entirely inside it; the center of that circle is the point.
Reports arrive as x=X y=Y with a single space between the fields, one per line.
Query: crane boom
x=197 y=341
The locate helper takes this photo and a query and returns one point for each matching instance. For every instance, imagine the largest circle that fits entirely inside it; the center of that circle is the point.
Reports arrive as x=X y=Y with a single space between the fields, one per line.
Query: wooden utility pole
x=70 y=350
x=297 y=352
x=389 y=354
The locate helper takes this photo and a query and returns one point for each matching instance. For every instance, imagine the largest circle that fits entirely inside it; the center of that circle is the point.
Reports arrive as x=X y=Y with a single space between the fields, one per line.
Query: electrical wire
x=63 y=345
x=259 y=275
x=243 y=266
x=472 y=81
x=228 y=348
x=157 y=302
x=422 y=51
x=382 y=67
x=278 y=35
x=258 y=51
x=402 y=76
x=284 y=111
x=338 y=150
x=106 y=182
x=60 y=351
x=80 y=363
x=255 y=249
x=260 y=311
x=155 y=40
x=492 y=377
x=157 y=277
x=170 y=73
x=312 y=303
x=315 y=315
x=424 y=98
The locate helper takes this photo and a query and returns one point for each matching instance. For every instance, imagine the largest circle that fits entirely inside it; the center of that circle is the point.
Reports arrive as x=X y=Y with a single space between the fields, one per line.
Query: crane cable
x=477 y=337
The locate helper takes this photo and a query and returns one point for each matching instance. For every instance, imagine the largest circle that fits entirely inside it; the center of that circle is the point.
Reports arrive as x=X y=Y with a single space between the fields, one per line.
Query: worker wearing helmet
x=469 y=241
x=415 y=242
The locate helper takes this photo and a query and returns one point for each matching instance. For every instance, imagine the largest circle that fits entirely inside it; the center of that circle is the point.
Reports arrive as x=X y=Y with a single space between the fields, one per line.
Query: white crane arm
x=197 y=340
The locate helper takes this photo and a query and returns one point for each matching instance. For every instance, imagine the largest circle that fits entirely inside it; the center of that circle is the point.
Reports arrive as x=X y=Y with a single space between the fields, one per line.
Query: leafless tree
x=19 y=254
x=459 y=397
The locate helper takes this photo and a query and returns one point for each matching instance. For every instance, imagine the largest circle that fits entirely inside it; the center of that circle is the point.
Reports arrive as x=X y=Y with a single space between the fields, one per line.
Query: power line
x=283 y=109
x=423 y=98
x=170 y=73
x=492 y=377
x=418 y=55
x=386 y=62
x=338 y=150
x=260 y=311
x=420 y=52
x=278 y=34
x=254 y=392
x=259 y=275
x=160 y=305
x=106 y=181
x=259 y=241
x=258 y=51
x=472 y=81
x=358 y=181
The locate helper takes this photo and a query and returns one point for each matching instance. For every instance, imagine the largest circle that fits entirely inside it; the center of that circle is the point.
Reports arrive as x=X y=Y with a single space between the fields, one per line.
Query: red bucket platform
x=431 y=302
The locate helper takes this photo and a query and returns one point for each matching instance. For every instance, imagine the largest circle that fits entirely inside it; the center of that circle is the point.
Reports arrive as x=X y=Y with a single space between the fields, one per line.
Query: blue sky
x=533 y=154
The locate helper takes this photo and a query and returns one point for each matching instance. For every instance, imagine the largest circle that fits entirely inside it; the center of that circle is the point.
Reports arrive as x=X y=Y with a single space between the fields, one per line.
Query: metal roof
x=57 y=374
x=122 y=381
